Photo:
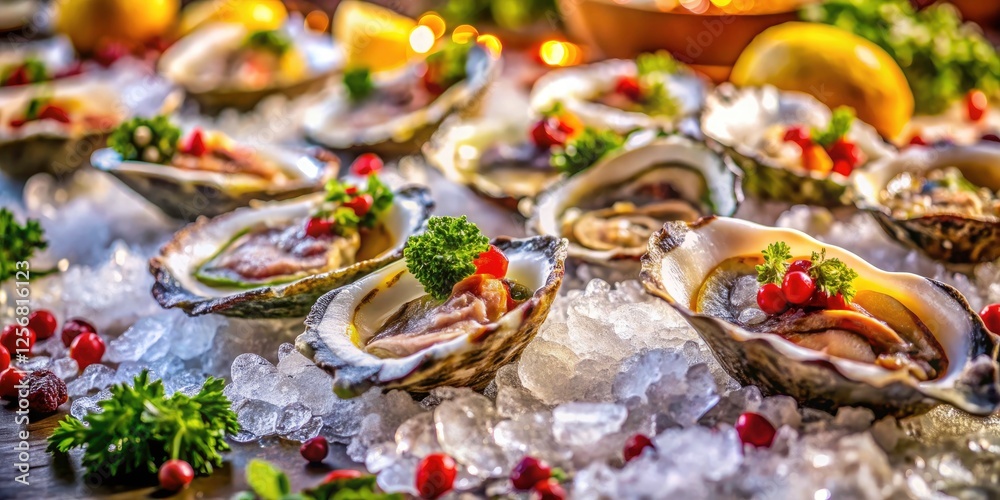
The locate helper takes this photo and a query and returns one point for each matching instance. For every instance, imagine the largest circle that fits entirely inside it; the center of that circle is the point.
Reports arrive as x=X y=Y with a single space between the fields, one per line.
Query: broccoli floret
x=444 y=254
x=147 y=139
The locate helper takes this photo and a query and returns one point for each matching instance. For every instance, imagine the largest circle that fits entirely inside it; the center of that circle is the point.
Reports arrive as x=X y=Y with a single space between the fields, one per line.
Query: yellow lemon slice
x=373 y=37
x=254 y=14
x=87 y=22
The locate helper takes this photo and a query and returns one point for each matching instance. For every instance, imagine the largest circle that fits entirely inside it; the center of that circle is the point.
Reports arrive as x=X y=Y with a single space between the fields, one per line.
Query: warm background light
x=491 y=42
x=464 y=34
x=317 y=21
x=421 y=39
x=559 y=53
x=434 y=22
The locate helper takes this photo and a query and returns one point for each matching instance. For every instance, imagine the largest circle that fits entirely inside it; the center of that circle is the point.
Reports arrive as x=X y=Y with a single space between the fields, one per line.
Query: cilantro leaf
x=776 y=257
x=442 y=256
x=359 y=84
x=19 y=242
x=840 y=123
x=585 y=150
x=832 y=276
x=162 y=137
x=275 y=41
x=140 y=427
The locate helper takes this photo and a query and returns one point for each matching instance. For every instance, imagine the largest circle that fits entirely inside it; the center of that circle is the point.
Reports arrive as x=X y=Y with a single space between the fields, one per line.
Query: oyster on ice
x=772 y=136
x=609 y=210
x=225 y=65
x=205 y=172
x=385 y=330
x=942 y=201
x=905 y=344
x=397 y=111
x=275 y=259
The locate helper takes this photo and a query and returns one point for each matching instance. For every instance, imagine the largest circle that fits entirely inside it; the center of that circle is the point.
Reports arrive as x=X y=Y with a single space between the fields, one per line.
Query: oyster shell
x=609 y=210
x=683 y=255
x=180 y=261
x=199 y=63
x=344 y=318
x=948 y=234
x=739 y=119
x=400 y=131
x=186 y=194
x=576 y=88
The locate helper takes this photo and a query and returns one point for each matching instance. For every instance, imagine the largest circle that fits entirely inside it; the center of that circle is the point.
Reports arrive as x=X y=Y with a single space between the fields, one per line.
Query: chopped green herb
x=19 y=243
x=656 y=62
x=140 y=427
x=34 y=69
x=275 y=41
x=657 y=100
x=358 y=83
x=34 y=107
x=162 y=136
x=345 y=218
x=585 y=150
x=776 y=257
x=840 y=123
x=832 y=276
x=270 y=483
x=444 y=254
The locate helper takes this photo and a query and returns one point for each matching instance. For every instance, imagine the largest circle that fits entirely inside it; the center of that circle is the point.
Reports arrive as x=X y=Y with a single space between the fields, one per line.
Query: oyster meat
x=904 y=344
x=609 y=210
x=385 y=330
x=941 y=201
x=275 y=259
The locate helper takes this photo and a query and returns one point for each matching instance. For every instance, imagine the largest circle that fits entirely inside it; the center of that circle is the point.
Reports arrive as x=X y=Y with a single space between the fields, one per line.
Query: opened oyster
x=965 y=123
x=37 y=62
x=275 y=259
x=206 y=172
x=790 y=146
x=609 y=211
x=943 y=202
x=225 y=65
x=654 y=91
x=397 y=112
x=905 y=343
x=386 y=330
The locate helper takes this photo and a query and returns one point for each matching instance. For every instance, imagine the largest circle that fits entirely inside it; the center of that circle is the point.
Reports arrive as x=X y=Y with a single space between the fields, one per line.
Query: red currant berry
x=16 y=337
x=9 y=379
x=367 y=164
x=628 y=86
x=801 y=265
x=798 y=134
x=917 y=140
x=842 y=167
x=73 y=328
x=175 y=475
x=990 y=138
x=317 y=227
x=991 y=317
x=546 y=134
x=435 y=475
x=315 y=449
x=771 y=299
x=195 y=144
x=87 y=349
x=492 y=262
x=976 y=105
x=549 y=490
x=755 y=429
x=339 y=474
x=360 y=204
x=798 y=287
x=529 y=472
x=634 y=446
x=4 y=358
x=43 y=323
x=842 y=149
x=836 y=302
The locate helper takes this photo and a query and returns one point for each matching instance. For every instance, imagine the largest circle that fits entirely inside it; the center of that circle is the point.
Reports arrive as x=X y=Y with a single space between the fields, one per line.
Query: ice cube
x=308 y=431
x=65 y=368
x=95 y=376
x=257 y=417
x=400 y=477
x=292 y=418
x=583 y=424
x=192 y=336
x=139 y=338
x=744 y=292
x=465 y=430
x=418 y=436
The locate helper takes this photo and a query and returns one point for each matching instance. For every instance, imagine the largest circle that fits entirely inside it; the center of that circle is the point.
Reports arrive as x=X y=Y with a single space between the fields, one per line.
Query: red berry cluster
x=532 y=474
x=46 y=112
x=365 y=165
x=629 y=87
x=841 y=157
x=551 y=131
x=797 y=289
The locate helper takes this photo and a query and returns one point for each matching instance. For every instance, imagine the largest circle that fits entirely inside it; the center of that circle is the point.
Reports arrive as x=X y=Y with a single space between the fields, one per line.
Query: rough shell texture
x=173 y=269
x=188 y=194
x=682 y=255
x=953 y=238
x=737 y=119
x=213 y=43
x=640 y=155
x=466 y=361
x=575 y=87
x=405 y=133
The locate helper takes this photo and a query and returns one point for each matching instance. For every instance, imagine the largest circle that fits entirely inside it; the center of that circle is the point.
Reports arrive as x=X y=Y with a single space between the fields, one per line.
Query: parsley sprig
x=776 y=257
x=271 y=483
x=585 y=150
x=656 y=62
x=19 y=243
x=840 y=123
x=358 y=83
x=447 y=65
x=345 y=218
x=275 y=41
x=163 y=136
x=832 y=276
x=656 y=98
x=444 y=254
x=140 y=427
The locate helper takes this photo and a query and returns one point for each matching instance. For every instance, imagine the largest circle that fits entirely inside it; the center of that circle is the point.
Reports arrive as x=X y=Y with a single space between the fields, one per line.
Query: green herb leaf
x=442 y=256
x=447 y=65
x=275 y=41
x=19 y=243
x=656 y=62
x=585 y=150
x=162 y=137
x=139 y=428
x=345 y=218
x=776 y=257
x=267 y=481
x=359 y=84
x=657 y=100
x=832 y=276
x=358 y=488
x=840 y=123
x=34 y=69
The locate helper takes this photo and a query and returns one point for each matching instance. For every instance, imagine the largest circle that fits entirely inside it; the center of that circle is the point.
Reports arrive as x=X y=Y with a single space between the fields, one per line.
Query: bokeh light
x=464 y=34
x=317 y=21
x=434 y=22
x=559 y=53
x=421 y=39
x=491 y=42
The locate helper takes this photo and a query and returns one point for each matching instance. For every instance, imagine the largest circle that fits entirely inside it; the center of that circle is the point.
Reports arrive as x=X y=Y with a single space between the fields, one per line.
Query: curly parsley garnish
x=832 y=276
x=776 y=257
x=584 y=150
x=359 y=84
x=840 y=123
x=656 y=62
x=140 y=427
x=444 y=254
x=275 y=41
x=656 y=98
x=149 y=139
x=19 y=243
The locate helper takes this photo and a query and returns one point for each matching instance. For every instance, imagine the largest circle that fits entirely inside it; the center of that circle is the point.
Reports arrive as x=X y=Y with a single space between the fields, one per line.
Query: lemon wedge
x=837 y=67
x=88 y=22
x=372 y=36
x=254 y=14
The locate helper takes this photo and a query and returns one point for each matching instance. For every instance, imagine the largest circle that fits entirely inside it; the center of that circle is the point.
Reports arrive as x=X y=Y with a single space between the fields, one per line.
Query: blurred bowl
x=711 y=41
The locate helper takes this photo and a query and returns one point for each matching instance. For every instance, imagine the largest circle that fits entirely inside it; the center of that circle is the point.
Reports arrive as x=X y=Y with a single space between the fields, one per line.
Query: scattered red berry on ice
x=549 y=490
x=315 y=449
x=976 y=105
x=318 y=227
x=10 y=378
x=75 y=327
x=87 y=349
x=16 y=337
x=4 y=358
x=529 y=472
x=360 y=204
x=339 y=474
x=175 y=475
x=634 y=446
x=435 y=475
x=43 y=323
x=991 y=316
x=797 y=287
x=755 y=429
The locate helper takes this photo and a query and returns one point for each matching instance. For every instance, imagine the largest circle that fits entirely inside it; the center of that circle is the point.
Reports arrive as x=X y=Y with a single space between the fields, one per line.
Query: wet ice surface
x=609 y=362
